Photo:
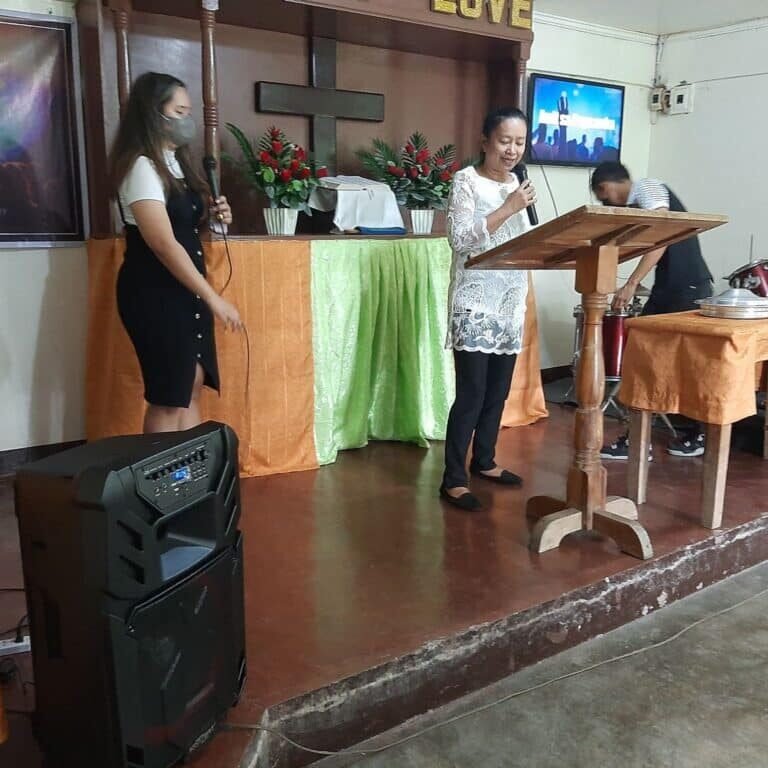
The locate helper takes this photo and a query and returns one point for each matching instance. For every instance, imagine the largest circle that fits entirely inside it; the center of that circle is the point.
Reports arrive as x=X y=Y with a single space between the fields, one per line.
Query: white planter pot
x=421 y=221
x=281 y=221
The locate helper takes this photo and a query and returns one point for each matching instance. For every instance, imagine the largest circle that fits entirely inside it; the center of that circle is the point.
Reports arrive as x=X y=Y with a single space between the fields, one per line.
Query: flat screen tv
x=574 y=122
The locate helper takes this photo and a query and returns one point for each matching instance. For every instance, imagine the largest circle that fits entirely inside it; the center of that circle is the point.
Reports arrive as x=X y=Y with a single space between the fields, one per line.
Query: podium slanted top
x=634 y=231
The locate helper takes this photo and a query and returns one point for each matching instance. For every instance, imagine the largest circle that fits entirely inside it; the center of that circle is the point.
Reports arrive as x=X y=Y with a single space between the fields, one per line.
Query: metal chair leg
x=667 y=423
x=610 y=400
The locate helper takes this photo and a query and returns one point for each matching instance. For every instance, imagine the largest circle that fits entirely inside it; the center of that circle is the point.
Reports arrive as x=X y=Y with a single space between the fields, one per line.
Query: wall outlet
x=10 y=647
x=657 y=99
x=681 y=99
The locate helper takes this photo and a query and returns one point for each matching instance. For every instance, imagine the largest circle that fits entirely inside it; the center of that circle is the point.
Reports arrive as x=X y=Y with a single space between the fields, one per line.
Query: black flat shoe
x=505 y=478
x=467 y=501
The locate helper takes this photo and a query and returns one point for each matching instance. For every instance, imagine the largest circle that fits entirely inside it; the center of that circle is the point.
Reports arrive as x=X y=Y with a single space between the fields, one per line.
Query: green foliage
x=277 y=168
x=418 y=178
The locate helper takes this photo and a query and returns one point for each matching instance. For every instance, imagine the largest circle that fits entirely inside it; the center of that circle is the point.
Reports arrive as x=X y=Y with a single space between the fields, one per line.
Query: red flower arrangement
x=278 y=168
x=419 y=179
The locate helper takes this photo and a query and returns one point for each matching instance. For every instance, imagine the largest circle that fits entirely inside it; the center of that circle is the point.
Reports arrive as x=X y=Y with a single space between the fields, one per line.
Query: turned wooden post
x=121 y=10
x=210 y=89
x=595 y=279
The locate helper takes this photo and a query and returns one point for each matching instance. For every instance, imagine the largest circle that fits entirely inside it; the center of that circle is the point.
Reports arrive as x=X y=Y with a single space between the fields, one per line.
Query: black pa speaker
x=133 y=565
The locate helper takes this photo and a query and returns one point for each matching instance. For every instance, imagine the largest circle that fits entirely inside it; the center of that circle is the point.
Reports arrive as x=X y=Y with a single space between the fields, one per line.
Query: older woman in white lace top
x=486 y=307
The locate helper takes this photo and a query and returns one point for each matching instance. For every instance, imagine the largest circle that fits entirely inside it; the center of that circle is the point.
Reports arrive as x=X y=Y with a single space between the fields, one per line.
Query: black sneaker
x=620 y=449
x=692 y=445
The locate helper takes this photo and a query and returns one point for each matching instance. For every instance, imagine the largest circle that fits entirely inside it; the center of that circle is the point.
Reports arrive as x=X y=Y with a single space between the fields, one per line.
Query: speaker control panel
x=172 y=478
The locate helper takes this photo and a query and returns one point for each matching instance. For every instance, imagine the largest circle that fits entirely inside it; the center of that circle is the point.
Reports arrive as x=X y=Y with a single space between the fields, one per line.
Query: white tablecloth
x=358 y=202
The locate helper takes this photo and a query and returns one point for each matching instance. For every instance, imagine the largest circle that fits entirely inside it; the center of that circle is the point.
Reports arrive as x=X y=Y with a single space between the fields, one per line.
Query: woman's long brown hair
x=142 y=132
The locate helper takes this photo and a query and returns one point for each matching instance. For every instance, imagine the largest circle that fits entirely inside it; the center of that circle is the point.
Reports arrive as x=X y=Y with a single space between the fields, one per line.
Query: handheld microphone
x=522 y=175
x=209 y=164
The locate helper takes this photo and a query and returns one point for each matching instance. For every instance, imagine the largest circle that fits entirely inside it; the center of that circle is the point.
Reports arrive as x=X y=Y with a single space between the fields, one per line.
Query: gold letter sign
x=473 y=9
x=444 y=6
x=495 y=9
x=470 y=9
x=515 y=19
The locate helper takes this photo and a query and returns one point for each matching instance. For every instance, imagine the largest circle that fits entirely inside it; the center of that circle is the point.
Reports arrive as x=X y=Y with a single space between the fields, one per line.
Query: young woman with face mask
x=164 y=300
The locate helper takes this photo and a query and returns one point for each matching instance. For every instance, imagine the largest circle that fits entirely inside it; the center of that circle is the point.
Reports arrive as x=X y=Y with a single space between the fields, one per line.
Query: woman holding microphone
x=486 y=307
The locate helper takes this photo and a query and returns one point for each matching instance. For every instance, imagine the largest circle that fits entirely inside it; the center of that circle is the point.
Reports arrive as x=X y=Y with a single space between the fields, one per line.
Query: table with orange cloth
x=340 y=348
x=705 y=368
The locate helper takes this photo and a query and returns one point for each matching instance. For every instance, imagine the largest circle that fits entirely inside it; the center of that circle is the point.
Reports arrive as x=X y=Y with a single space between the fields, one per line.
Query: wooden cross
x=321 y=101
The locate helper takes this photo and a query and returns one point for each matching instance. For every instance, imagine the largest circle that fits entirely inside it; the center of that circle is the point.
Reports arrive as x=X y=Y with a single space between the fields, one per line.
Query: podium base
x=618 y=521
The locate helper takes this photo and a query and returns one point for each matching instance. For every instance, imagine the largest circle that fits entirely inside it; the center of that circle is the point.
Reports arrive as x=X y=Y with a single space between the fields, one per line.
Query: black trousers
x=482 y=387
x=683 y=299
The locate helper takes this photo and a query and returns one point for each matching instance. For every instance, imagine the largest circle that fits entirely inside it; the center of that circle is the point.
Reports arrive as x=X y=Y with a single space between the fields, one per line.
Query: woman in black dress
x=163 y=298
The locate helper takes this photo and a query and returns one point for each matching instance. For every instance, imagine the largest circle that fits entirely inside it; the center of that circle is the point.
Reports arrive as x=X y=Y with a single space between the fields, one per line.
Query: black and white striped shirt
x=648 y=194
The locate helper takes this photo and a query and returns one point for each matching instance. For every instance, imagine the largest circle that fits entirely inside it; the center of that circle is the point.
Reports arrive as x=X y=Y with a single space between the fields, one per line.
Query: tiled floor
x=359 y=562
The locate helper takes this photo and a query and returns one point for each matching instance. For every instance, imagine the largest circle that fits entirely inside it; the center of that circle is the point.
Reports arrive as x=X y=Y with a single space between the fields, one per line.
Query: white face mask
x=180 y=130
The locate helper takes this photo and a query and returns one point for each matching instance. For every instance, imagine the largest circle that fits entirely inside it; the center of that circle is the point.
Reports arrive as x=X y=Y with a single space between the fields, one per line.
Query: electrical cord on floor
x=18 y=629
x=497 y=702
x=10 y=671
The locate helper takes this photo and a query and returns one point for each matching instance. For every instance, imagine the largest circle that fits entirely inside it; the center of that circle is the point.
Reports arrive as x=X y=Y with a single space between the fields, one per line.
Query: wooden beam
x=322 y=74
x=97 y=94
x=321 y=101
x=305 y=100
x=121 y=11
x=210 y=84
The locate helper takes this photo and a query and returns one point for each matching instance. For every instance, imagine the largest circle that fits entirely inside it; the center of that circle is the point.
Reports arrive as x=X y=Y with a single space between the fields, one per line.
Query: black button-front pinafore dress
x=171 y=328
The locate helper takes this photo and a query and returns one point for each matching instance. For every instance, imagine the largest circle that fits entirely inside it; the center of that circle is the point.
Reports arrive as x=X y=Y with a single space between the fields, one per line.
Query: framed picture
x=41 y=153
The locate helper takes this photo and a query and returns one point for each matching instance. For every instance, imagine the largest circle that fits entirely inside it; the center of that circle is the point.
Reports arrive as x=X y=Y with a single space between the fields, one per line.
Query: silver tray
x=735 y=313
x=735 y=304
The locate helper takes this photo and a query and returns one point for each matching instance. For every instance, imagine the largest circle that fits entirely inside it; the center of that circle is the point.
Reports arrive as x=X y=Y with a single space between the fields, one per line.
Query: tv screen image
x=574 y=122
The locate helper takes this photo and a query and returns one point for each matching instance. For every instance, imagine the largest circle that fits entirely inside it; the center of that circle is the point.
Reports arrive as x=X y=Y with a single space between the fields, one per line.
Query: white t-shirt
x=143 y=182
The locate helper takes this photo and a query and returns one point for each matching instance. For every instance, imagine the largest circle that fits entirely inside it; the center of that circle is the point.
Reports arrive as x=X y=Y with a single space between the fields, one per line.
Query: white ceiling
x=656 y=17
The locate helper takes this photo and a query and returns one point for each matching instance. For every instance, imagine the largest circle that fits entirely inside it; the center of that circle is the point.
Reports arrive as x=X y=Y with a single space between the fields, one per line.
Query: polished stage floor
x=358 y=564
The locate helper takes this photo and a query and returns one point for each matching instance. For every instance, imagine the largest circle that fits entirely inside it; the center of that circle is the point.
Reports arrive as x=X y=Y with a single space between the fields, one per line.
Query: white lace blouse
x=486 y=311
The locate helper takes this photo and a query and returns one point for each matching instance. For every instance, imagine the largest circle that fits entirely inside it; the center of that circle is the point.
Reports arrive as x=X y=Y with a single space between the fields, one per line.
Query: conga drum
x=753 y=277
x=614 y=341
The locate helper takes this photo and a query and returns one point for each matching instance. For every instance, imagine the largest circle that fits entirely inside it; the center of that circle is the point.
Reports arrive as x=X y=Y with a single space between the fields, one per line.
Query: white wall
x=715 y=157
x=577 y=49
x=43 y=293
x=43 y=298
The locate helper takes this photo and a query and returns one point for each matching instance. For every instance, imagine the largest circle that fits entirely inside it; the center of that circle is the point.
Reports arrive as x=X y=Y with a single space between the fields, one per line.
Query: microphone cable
x=210 y=166
x=247 y=391
x=549 y=188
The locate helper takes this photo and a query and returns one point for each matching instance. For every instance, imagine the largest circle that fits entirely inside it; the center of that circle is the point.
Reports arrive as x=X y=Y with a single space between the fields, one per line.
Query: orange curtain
x=272 y=291
x=269 y=402
x=525 y=404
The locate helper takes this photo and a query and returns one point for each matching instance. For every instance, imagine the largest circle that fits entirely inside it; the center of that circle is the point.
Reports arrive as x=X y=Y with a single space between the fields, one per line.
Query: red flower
x=396 y=171
x=422 y=156
x=321 y=172
x=302 y=173
x=273 y=163
x=445 y=176
x=277 y=147
x=274 y=132
x=294 y=165
x=454 y=167
x=409 y=148
x=425 y=170
x=414 y=172
x=300 y=154
x=265 y=157
x=285 y=174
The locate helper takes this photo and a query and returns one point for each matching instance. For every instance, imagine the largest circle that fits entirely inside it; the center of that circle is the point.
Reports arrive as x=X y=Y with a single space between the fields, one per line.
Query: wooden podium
x=592 y=240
